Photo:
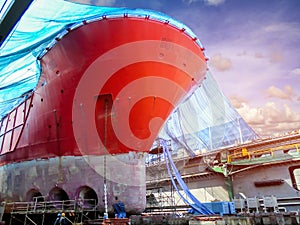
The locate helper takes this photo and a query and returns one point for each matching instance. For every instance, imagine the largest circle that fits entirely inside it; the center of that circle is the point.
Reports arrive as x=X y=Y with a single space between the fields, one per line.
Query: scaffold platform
x=36 y=212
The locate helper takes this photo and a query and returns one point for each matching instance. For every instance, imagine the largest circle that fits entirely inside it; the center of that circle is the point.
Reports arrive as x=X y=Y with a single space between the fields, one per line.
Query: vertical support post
x=11 y=16
x=228 y=183
x=43 y=219
x=105 y=145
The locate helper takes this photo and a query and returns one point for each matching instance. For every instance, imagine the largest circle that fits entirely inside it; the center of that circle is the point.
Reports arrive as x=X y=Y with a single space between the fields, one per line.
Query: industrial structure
x=90 y=91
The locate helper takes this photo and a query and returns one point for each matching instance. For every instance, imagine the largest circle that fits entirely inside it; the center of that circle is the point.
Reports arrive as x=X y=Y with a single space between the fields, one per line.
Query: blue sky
x=253 y=49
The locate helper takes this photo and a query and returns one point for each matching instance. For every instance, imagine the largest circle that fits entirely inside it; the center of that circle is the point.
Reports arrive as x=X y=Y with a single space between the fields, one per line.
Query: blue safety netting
x=40 y=25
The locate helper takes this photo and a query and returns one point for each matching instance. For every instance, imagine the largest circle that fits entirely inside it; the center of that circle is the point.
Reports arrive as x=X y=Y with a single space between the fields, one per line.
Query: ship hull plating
x=71 y=177
x=105 y=90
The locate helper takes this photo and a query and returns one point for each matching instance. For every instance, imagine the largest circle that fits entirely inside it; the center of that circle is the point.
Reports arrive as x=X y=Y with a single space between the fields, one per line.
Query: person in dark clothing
x=57 y=219
x=61 y=219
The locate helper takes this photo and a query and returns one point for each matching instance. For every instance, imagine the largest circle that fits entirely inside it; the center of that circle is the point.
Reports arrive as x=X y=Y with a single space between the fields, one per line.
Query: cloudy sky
x=254 y=53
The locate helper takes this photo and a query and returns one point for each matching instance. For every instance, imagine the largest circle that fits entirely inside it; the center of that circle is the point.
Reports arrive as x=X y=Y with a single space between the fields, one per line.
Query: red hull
x=129 y=51
x=106 y=88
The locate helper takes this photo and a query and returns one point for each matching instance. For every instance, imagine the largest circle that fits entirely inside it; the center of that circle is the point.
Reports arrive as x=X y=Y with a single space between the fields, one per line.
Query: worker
x=61 y=219
x=57 y=221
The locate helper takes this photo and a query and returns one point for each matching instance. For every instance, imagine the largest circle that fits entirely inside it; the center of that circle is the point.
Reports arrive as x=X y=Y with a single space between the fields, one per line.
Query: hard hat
x=63 y=214
x=58 y=214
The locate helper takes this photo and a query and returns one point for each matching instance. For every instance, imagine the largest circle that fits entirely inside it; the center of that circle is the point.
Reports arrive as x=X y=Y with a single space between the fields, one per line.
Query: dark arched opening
x=58 y=194
x=87 y=197
x=34 y=195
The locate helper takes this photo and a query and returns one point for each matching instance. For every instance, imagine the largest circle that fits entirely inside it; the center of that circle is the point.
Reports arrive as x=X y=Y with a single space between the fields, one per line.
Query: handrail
x=51 y=206
x=245 y=153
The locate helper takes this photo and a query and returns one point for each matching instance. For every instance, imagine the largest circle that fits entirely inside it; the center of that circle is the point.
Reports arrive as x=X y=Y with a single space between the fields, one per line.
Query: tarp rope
x=190 y=200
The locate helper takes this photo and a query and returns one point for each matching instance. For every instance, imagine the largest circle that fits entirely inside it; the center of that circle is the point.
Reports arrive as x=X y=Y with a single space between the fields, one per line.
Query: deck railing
x=53 y=206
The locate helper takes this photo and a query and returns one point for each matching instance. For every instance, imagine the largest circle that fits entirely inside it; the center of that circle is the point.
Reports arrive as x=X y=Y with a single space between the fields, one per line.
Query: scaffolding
x=36 y=211
x=161 y=200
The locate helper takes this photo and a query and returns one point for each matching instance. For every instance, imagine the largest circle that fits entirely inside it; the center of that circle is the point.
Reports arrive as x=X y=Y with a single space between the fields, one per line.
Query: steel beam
x=12 y=16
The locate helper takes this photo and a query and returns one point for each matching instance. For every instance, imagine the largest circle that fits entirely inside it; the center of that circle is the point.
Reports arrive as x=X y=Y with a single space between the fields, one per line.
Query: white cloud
x=268 y=119
x=289 y=90
x=208 y=2
x=278 y=27
x=295 y=72
x=282 y=27
x=237 y=101
x=274 y=92
x=214 y=2
x=189 y=1
x=220 y=63
x=95 y=2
